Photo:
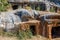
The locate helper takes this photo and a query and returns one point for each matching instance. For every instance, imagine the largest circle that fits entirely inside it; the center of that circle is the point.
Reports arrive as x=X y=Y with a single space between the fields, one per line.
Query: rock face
x=8 y=19
x=50 y=17
x=25 y=15
x=22 y=1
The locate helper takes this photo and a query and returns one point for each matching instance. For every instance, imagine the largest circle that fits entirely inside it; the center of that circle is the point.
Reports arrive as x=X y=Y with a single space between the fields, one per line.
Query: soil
x=34 y=38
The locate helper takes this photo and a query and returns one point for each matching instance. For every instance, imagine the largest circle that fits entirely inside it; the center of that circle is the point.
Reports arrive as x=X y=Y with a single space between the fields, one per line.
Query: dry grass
x=7 y=38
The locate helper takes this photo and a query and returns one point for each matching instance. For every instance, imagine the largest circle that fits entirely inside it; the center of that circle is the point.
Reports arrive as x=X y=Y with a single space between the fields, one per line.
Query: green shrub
x=3 y=5
x=19 y=34
x=38 y=8
x=24 y=34
x=52 y=10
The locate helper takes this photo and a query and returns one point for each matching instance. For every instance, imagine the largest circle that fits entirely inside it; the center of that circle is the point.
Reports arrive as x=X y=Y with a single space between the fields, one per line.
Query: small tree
x=3 y=5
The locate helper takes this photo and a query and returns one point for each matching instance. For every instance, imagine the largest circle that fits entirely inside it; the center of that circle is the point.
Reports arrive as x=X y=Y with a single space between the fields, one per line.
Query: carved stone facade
x=33 y=3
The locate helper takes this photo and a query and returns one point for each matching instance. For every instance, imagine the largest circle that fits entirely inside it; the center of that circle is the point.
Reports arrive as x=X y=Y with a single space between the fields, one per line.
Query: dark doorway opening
x=56 y=32
x=15 y=7
x=32 y=28
x=40 y=6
